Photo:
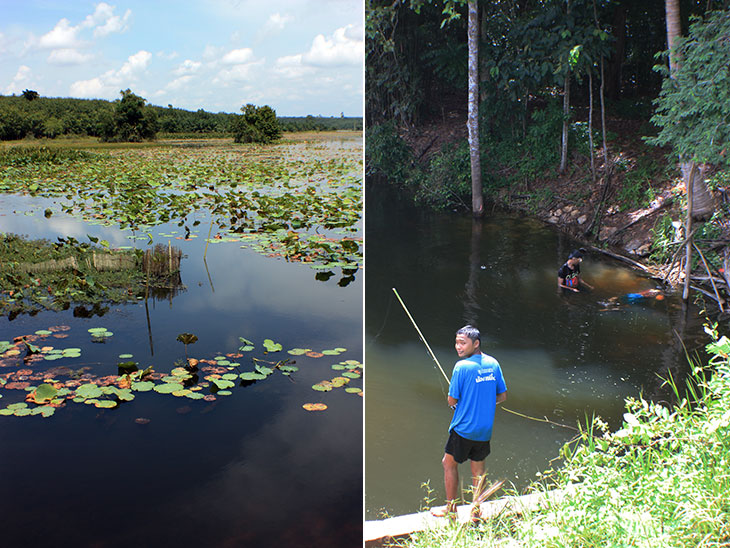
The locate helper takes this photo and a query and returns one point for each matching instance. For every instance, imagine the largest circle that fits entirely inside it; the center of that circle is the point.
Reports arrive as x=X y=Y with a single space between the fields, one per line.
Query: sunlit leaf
x=167 y=388
x=143 y=386
x=299 y=351
x=271 y=346
x=314 y=406
x=251 y=376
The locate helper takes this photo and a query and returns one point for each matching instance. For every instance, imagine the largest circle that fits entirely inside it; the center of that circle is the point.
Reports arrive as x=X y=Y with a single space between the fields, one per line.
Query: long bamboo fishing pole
x=421 y=335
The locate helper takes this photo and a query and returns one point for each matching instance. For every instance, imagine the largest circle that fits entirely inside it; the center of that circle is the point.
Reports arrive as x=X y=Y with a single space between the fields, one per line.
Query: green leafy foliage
x=256 y=125
x=693 y=107
x=130 y=121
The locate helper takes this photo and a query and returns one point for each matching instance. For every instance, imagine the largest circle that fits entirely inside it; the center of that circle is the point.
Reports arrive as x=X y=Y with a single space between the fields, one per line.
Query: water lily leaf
x=167 y=388
x=353 y=390
x=194 y=395
x=44 y=393
x=88 y=391
x=339 y=367
x=352 y=363
x=24 y=412
x=314 y=354
x=229 y=376
x=43 y=332
x=224 y=393
x=181 y=393
x=105 y=404
x=180 y=372
x=124 y=394
x=299 y=351
x=187 y=338
x=264 y=370
x=251 y=376
x=314 y=406
x=333 y=352
x=222 y=384
x=288 y=368
x=143 y=386
x=47 y=411
x=271 y=346
x=352 y=375
x=6 y=412
x=94 y=330
x=323 y=386
x=339 y=381
x=247 y=345
x=125 y=356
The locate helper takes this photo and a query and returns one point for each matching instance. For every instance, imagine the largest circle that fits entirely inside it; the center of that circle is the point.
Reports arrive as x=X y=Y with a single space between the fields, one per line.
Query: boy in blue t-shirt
x=477 y=386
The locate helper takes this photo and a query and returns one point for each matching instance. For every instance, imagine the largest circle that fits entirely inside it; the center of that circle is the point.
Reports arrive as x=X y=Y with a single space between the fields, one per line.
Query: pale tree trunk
x=590 y=123
x=477 y=204
x=700 y=203
x=566 y=114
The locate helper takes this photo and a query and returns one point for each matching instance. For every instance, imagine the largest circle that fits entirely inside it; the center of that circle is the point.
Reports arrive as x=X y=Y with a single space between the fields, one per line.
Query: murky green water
x=564 y=357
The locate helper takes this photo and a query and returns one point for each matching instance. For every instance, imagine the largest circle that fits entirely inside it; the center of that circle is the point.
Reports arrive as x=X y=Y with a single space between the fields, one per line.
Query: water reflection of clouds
x=297 y=481
x=247 y=282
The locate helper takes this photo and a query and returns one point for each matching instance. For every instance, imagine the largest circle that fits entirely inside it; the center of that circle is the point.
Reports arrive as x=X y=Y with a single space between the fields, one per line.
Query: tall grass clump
x=662 y=480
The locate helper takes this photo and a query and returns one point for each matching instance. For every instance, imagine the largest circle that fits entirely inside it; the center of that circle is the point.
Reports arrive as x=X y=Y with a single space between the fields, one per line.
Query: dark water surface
x=564 y=357
x=249 y=469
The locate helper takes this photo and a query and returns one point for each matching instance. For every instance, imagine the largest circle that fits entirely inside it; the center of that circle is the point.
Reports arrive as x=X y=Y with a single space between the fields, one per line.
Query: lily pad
x=105 y=404
x=44 y=393
x=247 y=345
x=167 y=388
x=323 y=386
x=353 y=390
x=314 y=406
x=143 y=386
x=271 y=346
x=299 y=351
x=88 y=391
x=351 y=375
x=222 y=384
x=252 y=376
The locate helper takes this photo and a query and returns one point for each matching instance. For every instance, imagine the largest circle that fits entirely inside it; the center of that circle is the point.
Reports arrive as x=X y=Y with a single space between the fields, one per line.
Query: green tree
x=256 y=125
x=30 y=95
x=131 y=121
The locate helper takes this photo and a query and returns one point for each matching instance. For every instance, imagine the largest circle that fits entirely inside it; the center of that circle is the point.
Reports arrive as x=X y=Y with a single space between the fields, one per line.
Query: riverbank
x=630 y=204
x=660 y=480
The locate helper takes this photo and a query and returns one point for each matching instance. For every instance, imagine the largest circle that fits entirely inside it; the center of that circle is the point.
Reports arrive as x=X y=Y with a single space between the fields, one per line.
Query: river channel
x=565 y=357
x=248 y=466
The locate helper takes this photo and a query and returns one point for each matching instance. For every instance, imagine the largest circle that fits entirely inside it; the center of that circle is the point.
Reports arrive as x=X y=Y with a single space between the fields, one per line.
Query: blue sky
x=298 y=56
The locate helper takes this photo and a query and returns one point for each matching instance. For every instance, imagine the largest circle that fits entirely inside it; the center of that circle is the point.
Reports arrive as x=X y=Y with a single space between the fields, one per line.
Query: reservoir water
x=565 y=357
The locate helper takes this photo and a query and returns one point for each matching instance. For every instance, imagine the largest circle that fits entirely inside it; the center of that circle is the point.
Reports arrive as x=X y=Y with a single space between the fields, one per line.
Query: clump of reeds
x=162 y=261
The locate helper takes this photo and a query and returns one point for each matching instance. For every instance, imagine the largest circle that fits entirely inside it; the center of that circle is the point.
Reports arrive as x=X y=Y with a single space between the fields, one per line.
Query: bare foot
x=448 y=511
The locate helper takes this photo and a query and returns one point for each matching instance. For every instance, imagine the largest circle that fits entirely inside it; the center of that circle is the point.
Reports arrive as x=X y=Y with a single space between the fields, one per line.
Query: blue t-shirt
x=475 y=382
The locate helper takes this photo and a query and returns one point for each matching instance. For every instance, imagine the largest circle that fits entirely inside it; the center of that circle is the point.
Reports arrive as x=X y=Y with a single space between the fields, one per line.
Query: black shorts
x=461 y=448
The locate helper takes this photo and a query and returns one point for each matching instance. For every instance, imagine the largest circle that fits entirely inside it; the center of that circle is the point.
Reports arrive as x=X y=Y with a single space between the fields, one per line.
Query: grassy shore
x=661 y=481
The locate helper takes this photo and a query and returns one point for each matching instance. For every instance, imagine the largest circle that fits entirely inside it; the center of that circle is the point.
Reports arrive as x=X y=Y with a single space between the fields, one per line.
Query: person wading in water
x=569 y=273
x=477 y=386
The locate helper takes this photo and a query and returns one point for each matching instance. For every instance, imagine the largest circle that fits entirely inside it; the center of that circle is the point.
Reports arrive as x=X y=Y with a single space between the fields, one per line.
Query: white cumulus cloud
x=68 y=56
x=108 y=84
x=277 y=22
x=88 y=88
x=345 y=47
x=187 y=67
x=63 y=35
x=104 y=22
x=238 y=56
x=20 y=80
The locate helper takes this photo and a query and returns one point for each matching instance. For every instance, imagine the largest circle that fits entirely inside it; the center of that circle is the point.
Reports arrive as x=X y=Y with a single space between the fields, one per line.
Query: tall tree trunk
x=590 y=123
x=700 y=203
x=477 y=204
x=566 y=120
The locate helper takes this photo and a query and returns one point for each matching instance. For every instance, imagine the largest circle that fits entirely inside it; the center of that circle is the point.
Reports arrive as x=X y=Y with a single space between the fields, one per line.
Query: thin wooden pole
x=421 y=335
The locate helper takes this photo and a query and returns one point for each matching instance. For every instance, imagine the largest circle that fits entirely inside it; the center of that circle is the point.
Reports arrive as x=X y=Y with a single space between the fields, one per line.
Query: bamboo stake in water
x=421 y=335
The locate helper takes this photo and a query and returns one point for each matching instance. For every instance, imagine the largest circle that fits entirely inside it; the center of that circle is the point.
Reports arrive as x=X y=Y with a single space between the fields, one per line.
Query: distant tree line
x=130 y=118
